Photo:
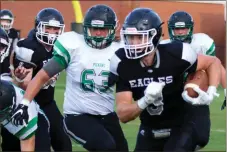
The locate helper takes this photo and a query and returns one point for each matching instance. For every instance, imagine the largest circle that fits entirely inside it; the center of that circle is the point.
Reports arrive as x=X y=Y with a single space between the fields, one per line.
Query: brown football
x=199 y=78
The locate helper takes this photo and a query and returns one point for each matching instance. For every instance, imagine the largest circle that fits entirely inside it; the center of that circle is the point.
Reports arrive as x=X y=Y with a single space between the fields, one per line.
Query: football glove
x=20 y=114
x=152 y=95
x=204 y=98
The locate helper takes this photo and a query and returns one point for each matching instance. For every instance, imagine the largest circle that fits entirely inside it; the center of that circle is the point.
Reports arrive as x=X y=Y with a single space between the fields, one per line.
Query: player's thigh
x=202 y=123
x=147 y=142
x=200 y=117
x=112 y=124
x=42 y=136
x=59 y=139
x=193 y=131
x=9 y=141
x=89 y=131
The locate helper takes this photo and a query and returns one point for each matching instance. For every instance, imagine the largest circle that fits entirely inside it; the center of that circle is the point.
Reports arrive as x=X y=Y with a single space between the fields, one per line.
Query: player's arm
x=212 y=66
x=127 y=110
x=48 y=71
x=28 y=144
x=58 y=62
x=202 y=62
x=209 y=47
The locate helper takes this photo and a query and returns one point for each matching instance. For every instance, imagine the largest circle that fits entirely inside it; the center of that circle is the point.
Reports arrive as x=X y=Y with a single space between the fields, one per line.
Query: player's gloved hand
x=20 y=113
x=224 y=103
x=13 y=33
x=204 y=98
x=152 y=95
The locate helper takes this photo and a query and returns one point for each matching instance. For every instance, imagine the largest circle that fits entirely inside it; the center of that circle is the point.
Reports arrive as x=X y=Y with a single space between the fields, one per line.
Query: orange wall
x=209 y=18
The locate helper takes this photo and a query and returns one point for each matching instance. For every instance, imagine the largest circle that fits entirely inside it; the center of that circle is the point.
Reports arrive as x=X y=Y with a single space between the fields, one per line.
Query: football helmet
x=181 y=19
x=48 y=17
x=4 y=45
x=7 y=100
x=145 y=23
x=100 y=16
x=6 y=15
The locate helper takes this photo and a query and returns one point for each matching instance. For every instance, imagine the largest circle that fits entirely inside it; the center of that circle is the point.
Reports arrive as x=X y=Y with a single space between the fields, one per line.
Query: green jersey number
x=88 y=84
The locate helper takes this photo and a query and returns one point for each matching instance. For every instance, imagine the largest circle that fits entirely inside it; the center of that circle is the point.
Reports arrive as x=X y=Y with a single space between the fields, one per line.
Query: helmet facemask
x=4 y=52
x=99 y=42
x=6 y=113
x=45 y=37
x=6 y=22
x=179 y=25
x=145 y=47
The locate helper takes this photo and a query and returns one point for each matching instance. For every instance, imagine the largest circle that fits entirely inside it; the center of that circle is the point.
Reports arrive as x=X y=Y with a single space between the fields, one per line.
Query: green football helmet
x=181 y=19
x=100 y=16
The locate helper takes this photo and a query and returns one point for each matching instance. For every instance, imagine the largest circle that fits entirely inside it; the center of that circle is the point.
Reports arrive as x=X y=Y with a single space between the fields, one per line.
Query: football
x=199 y=78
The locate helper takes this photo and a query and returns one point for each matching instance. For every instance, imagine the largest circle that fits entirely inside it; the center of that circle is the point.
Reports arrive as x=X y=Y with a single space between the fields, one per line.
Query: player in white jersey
x=180 y=27
x=89 y=103
x=10 y=96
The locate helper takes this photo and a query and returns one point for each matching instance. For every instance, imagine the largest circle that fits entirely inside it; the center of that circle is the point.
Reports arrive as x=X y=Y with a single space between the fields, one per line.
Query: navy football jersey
x=171 y=61
x=37 y=54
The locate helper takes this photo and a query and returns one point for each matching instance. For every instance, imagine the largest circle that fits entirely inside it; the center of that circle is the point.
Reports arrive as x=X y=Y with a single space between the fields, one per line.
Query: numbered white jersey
x=87 y=71
x=20 y=131
x=201 y=43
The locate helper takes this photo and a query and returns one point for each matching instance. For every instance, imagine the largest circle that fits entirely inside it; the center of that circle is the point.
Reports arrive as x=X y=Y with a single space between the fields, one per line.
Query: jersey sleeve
x=190 y=56
x=64 y=48
x=208 y=45
x=115 y=75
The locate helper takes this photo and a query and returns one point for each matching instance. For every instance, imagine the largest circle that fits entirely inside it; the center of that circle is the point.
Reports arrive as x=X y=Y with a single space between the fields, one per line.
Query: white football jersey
x=201 y=43
x=87 y=71
x=20 y=131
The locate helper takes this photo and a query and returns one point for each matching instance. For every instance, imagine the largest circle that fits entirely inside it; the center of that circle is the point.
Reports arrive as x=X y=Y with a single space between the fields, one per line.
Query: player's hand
x=21 y=72
x=13 y=33
x=204 y=98
x=20 y=114
x=153 y=95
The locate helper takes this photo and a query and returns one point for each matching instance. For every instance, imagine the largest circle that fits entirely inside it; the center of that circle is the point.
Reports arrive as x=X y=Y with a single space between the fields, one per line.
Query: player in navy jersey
x=152 y=75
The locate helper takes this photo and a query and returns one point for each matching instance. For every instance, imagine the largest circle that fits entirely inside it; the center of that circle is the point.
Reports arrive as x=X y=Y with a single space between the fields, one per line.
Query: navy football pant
x=60 y=141
x=193 y=131
x=96 y=133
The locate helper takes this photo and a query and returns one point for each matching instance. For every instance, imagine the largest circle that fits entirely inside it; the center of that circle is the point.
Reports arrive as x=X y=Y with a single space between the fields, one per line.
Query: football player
x=4 y=45
x=88 y=104
x=49 y=24
x=6 y=21
x=180 y=27
x=152 y=75
x=10 y=96
x=10 y=142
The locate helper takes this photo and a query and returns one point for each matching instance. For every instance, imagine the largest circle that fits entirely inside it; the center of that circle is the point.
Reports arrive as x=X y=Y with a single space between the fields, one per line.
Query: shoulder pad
x=203 y=39
x=70 y=40
x=116 y=59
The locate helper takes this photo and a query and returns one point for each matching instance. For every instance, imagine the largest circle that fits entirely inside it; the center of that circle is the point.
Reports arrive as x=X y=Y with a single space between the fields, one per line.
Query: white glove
x=204 y=98
x=152 y=95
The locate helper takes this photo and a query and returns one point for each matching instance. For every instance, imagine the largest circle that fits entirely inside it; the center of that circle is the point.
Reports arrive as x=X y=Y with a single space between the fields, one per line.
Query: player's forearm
x=127 y=112
x=28 y=144
x=214 y=73
x=36 y=84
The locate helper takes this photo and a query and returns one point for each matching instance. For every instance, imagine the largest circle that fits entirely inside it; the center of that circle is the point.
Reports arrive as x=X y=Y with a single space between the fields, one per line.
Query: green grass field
x=218 y=119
